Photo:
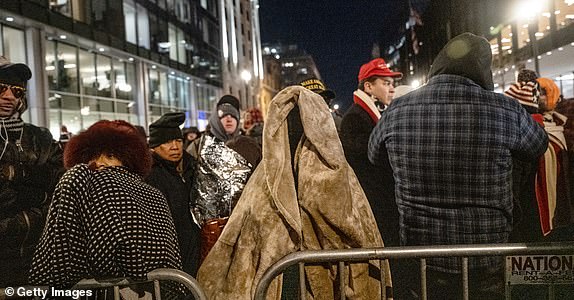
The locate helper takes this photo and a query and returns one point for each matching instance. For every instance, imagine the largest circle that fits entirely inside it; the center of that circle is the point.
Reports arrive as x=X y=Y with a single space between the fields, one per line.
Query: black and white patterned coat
x=104 y=224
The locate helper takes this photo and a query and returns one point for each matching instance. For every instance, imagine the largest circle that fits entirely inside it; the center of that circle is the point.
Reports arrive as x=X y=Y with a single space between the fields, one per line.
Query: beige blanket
x=328 y=211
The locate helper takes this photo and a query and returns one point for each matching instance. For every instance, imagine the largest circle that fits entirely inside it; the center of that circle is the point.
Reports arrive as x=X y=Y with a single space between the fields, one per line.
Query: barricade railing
x=115 y=285
x=340 y=256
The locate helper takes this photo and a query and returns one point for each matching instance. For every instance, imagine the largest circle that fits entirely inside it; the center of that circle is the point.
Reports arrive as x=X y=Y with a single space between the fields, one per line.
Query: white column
x=37 y=94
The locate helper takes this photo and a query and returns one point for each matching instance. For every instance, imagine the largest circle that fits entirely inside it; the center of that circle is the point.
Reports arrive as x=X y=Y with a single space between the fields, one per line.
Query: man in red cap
x=375 y=92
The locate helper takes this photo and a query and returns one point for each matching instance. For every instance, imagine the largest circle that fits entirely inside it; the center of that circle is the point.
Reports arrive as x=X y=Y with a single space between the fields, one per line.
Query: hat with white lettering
x=317 y=86
x=377 y=67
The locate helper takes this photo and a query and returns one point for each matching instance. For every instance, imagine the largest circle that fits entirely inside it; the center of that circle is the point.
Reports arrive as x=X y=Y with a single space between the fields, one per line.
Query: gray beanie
x=227 y=109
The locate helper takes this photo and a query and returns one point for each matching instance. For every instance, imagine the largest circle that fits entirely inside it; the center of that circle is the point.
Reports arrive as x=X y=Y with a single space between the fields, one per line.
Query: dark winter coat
x=377 y=182
x=177 y=190
x=27 y=179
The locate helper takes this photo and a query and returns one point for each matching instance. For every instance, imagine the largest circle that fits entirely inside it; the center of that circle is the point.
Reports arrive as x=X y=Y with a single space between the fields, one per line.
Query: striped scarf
x=14 y=127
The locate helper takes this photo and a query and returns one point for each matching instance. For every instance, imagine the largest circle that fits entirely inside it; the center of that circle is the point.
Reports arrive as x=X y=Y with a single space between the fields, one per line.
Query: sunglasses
x=18 y=91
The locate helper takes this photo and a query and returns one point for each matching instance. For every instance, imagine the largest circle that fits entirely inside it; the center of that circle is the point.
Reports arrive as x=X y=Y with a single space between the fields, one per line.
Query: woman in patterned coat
x=104 y=220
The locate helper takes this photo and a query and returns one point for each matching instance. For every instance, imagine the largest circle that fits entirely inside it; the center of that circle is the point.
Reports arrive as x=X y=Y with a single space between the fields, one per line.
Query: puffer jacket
x=28 y=175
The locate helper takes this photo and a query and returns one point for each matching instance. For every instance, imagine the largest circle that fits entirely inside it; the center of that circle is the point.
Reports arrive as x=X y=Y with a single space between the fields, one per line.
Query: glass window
x=103 y=76
x=158 y=87
x=154 y=90
x=181 y=57
x=543 y=21
x=124 y=80
x=163 y=36
x=81 y=10
x=163 y=88
x=205 y=29
x=89 y=80
x=99 y=105
x=14 y=44
x=99 y=9
x=89 y=118
x=103 y=80
x=77 y=9
x=67 y=69
x=213 y=32
x=174 y=96
x=523 y=37
x=70 y=102
x=172 y=42
x=51 y=65
x=494 y=49
x=564 y=11
x=182 y=8
x=171 y=6
x=143 y=27
x=185 y=94
x=68 y=118
x=506 y=40
x=130 y=21
x=61 y=6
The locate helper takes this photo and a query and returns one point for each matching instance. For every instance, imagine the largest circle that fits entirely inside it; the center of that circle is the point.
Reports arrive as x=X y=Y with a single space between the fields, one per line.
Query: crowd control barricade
x=112 y=288
x=518 y=251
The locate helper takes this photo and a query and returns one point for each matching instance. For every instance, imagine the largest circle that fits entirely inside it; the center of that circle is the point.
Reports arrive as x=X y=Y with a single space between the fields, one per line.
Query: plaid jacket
x=450 y=144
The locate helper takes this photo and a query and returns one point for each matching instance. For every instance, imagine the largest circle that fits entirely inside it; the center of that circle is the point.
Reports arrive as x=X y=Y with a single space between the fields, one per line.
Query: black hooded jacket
x=466 y=56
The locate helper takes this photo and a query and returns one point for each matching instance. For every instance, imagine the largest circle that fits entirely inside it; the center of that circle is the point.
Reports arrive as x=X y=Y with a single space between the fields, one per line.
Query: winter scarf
x=327 y=210
x=368 y=104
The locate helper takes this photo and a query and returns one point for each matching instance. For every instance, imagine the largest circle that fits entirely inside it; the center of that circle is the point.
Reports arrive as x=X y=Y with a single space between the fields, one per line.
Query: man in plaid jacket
x=450 y=145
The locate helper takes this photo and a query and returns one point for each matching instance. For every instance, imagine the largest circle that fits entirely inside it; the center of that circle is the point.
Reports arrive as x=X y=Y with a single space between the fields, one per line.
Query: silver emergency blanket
x=220 y=177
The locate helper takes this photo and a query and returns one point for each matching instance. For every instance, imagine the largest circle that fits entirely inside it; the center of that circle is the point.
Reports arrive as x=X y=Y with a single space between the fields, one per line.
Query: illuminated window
x=523 y=38
x=543 y=21
x=564 y=11
x=77 y=9
x=506 y=40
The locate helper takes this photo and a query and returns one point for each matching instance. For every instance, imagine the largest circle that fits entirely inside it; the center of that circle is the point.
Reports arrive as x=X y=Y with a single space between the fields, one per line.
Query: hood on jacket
x=466 y=55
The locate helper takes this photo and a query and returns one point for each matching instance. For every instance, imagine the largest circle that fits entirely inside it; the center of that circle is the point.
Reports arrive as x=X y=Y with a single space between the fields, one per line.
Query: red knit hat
x=377 y=67
x=525 y=92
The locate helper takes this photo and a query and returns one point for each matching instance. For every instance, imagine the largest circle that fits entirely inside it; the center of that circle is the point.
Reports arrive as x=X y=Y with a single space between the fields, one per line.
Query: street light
x=529 y=11
x=245 y=75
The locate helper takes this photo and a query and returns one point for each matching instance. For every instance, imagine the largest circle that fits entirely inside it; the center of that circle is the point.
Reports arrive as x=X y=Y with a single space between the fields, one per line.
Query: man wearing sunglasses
x=30 y=165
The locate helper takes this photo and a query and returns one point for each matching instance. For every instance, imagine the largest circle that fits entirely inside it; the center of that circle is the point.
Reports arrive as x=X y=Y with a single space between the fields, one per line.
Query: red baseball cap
x=377 y=67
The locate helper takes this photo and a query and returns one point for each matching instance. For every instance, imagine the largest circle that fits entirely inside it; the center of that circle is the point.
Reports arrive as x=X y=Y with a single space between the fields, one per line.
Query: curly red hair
x=118 y=138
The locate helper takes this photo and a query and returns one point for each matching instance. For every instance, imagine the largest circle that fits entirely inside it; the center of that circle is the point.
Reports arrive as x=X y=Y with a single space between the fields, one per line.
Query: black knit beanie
x=231 y=100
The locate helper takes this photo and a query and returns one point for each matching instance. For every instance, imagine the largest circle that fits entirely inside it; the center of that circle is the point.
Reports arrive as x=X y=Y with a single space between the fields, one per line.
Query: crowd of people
x=451 y=162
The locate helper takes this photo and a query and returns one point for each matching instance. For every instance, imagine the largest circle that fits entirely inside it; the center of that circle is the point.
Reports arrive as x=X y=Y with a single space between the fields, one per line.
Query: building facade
x=242 y=62
x=533 y=34
x=132 y=59
x=271 y=83
x=296 y=64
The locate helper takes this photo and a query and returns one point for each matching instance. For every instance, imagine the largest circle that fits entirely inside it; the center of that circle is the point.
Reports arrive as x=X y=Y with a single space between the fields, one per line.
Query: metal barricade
x=115 y=285
x=341 y=256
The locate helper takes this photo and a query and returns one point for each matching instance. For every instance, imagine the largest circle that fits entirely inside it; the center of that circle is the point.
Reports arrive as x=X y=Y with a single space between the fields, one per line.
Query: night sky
x=339 y=34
